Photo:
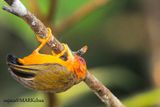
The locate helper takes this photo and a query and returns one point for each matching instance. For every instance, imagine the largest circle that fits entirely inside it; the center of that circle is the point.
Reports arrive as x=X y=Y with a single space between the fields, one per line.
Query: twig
x=81 y=51
x=17 y=8
x=152 y=16
x=52 y=10
x=78 y=15
x=52 y=100
x=102 y=92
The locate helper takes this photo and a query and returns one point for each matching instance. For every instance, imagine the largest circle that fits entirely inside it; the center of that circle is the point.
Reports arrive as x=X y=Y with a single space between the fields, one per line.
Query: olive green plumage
x=45 y=77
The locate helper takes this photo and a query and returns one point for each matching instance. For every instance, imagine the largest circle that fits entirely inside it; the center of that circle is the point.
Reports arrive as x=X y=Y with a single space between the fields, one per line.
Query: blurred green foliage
x=145 y=99
x=118 y=52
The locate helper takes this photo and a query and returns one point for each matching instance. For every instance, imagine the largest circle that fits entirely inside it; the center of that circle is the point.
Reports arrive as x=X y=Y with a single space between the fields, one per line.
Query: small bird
x=48 y=72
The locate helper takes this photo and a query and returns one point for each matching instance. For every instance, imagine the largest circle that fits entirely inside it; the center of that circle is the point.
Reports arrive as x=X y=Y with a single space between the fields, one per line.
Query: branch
x=152 y=16
x=52 y=100
x=78 y=15
x=18 y=9
x=81 y=51
x=102 y=92
x=52 y=10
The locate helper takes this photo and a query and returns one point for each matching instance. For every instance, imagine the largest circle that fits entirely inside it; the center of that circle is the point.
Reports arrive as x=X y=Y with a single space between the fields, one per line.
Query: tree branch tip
x=82 y=51
x=9 y=9
x=84 y=48
x=15 y=7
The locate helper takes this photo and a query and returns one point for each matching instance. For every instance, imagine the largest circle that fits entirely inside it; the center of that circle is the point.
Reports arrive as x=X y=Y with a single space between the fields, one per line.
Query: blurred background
x=123 y=37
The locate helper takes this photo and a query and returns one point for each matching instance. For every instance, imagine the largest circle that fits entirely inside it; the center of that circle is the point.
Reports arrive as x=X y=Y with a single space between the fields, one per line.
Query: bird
x=48 y=72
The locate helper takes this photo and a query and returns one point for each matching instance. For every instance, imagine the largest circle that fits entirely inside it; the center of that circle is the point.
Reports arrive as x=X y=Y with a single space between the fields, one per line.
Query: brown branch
x=152 y=16
x=17 y=8
x=81 y=51
x=78 y=15
x=52 y=10
x=52 y=100
x=102 y=92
